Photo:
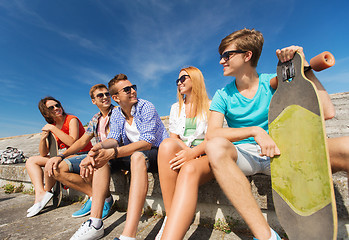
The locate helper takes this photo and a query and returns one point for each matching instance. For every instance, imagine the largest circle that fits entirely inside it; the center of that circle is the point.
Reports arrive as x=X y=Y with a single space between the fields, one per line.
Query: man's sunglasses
x=101 y=95
x=226 y=55
x=57 y=105
x=127 y=89
x=181 y=79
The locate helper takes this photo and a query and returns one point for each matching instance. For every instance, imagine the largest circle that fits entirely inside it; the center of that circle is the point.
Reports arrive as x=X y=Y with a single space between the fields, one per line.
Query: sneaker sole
x=83 y=215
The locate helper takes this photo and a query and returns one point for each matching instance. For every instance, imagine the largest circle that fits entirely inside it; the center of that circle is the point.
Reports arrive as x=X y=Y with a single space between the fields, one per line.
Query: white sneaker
x=32 y=207
x=159 y=235
x=88 y=232
x=36 y=208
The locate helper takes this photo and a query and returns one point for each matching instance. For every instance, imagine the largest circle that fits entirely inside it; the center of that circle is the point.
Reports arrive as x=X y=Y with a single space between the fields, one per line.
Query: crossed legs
x=180 y=188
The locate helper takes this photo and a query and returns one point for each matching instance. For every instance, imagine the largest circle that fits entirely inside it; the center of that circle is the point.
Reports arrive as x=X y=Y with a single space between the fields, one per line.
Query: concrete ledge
x=212 y=203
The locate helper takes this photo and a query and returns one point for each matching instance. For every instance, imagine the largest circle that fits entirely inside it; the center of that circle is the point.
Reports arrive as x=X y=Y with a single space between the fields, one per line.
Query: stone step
x=212 y=206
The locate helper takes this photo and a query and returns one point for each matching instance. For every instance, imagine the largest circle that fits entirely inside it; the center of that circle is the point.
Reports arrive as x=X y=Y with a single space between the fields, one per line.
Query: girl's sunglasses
x=127 y=89
x=181 y=79
x=101 y=95
x=57 y=105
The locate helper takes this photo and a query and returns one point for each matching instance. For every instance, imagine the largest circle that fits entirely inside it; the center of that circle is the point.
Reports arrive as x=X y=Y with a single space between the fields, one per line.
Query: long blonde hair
x=200 y=105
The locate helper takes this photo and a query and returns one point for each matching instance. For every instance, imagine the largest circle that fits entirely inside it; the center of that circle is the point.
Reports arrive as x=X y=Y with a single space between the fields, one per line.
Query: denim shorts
x=249 y=160
x=74 y=162
x=124 y=163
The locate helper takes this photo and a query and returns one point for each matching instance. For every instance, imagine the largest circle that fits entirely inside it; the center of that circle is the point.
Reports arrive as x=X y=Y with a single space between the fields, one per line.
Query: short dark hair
x=95 y=87
x=115 y=80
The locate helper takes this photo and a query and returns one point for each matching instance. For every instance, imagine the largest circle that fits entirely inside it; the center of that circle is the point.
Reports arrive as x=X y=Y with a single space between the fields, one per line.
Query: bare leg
x=167 y=150
x=339 y=154
x=100 y=190
x=138 y=192
x=49 y=182
x=192 y=174
x=33 y=166
x=223 y=156
x=73 y=180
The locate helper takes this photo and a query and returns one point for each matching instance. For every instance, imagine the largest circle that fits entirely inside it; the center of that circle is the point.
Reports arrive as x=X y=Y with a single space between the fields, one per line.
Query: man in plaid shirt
x=136 y=132
x=65 y=167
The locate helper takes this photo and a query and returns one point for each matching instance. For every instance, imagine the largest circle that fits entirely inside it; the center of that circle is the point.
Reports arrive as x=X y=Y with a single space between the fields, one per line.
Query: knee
x=339 y=153
x=61 y=169
x=168 y=145
x=31 y=161
x=218 y=148
x=189 y=172
x=138 y=161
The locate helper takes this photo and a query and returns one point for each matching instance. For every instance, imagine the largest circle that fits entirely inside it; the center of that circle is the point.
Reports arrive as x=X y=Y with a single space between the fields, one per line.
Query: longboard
x=302 y=185
x=57 y=188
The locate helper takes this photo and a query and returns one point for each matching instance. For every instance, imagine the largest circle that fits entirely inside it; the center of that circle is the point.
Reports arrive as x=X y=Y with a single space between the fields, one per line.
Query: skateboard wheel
x=322 y=61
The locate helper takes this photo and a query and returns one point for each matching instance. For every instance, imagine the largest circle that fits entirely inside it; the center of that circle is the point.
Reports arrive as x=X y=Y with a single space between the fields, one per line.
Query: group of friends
x=131 y=136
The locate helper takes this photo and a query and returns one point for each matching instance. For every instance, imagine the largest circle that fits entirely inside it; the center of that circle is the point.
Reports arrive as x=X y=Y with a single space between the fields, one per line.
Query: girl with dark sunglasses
x=183 y=152
x=67 y=129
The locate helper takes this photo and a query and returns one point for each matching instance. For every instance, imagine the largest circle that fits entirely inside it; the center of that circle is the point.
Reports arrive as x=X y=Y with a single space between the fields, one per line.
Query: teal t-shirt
x=240 y=111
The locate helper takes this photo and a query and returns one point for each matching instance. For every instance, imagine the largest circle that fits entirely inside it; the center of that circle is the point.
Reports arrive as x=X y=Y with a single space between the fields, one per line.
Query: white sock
x=126 y=238
x=96 y=222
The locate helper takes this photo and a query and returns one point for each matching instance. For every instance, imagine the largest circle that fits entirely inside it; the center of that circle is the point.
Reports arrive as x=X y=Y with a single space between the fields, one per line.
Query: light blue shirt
x=240 y=111
x=147 y=120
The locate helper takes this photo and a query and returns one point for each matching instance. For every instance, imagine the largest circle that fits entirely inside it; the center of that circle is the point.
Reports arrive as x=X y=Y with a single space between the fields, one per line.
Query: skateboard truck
x=318 y=63
x=288 y=72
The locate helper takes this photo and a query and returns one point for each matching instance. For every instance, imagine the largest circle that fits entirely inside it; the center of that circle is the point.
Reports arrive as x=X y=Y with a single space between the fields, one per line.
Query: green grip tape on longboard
x=301 y=152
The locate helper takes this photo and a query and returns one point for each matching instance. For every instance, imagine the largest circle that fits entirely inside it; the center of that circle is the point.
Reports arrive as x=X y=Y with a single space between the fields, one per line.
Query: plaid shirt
x=93 y=124
x=147 y=121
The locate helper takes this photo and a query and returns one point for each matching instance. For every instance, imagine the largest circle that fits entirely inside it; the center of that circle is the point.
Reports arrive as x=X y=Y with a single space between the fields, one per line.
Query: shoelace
x=83 y=229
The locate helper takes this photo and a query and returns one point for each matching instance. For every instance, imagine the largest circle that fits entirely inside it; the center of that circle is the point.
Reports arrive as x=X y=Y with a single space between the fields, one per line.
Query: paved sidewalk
x=58 y=224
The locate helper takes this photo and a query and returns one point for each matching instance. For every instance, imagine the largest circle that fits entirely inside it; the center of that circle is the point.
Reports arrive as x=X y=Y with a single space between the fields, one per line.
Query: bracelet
x=61 y=156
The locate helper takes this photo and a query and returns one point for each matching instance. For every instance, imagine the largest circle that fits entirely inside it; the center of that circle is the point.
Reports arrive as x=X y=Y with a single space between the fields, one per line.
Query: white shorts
x=249 y=160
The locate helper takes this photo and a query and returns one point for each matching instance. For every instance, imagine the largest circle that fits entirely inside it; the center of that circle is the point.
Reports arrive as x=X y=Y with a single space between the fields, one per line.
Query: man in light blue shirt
x=136 y=132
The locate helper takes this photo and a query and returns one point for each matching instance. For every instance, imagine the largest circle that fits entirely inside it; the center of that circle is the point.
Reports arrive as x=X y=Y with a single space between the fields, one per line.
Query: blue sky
x=62 y=48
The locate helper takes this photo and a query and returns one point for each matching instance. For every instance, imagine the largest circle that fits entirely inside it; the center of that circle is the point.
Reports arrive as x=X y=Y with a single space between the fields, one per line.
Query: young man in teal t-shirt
x=245 y=147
